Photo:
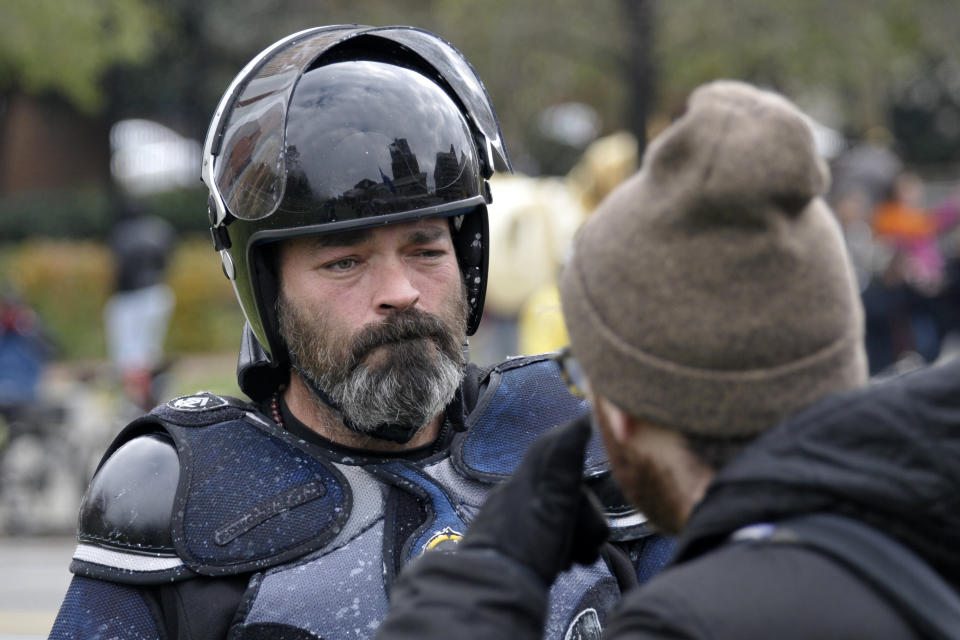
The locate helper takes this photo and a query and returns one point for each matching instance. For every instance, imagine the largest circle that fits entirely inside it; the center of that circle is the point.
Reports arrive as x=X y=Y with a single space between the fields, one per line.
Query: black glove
x=544 y=517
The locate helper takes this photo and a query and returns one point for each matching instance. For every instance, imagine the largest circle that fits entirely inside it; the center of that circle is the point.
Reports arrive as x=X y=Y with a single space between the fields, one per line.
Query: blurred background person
x=903 y=326
x=138 y=312
x=25 y=350
x=605 y=163
x=902 y=254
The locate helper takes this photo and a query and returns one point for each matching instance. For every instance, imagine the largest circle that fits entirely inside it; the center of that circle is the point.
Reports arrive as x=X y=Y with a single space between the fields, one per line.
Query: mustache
x=409 y=324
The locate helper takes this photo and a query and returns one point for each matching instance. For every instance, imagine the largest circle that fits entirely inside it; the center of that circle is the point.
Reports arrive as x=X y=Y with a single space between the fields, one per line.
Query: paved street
x=35 y=577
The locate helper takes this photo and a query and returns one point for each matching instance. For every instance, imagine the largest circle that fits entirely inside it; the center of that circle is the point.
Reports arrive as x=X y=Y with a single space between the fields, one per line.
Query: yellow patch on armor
x=443 y=540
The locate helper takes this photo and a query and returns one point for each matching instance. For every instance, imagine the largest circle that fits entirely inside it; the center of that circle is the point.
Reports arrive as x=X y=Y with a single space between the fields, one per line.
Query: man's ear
x=620 y=425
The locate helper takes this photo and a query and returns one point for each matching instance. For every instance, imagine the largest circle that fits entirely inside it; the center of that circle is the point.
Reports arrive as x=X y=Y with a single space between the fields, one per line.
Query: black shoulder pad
x=125 y=516
x=130 y=499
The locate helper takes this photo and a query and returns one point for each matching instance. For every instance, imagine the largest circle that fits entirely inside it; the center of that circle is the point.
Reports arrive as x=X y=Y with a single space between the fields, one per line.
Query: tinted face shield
x=369 y=139
x=362 y=139
x=245 y=159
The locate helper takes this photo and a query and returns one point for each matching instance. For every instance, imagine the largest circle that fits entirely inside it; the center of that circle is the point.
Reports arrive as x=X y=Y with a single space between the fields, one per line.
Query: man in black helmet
x=347 y=171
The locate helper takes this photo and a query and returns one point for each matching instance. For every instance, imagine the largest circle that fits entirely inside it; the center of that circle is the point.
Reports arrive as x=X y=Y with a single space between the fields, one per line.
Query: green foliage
x=68 y=213
x=853 y=51
x=88 y=212
x=207 y=317
x=847 y=54
x=49 y=45
x=171 y=61
x=69 y=282
x=185 y=209
x=216 y=373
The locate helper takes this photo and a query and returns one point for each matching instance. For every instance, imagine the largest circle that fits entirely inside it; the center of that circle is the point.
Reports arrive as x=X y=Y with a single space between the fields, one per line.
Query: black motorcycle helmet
x=340 y=128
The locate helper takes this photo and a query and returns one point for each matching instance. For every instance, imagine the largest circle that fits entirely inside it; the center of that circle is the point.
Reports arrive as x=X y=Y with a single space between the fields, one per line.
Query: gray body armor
x=323 y=535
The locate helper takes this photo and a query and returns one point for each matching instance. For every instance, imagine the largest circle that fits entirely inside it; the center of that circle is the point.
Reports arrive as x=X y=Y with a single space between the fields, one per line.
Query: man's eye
x=342 y=265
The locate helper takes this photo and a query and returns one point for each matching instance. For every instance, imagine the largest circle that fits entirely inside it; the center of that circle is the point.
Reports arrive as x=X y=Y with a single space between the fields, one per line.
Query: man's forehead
x=425 y=230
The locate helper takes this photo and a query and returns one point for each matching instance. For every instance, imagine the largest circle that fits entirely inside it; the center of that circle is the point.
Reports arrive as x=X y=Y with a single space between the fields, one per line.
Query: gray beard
x=411 y=389
x=419 y=366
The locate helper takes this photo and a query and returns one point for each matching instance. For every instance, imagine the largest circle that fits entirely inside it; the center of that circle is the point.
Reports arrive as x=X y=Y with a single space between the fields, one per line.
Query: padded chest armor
x=311 y=527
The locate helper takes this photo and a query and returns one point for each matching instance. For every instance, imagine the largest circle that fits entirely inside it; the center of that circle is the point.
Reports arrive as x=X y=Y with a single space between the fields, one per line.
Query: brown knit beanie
x=711 y=292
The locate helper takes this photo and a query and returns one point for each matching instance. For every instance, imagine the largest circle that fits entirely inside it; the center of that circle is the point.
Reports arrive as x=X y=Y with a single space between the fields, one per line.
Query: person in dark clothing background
x=715 y=319
x=138 y=312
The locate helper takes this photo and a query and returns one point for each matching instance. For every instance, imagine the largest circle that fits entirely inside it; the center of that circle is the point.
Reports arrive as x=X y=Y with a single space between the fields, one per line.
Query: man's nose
x=395 y=291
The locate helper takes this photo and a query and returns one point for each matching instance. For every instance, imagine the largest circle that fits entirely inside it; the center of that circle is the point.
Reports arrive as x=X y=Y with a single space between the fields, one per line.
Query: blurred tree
x=852 y=51
x=53 y=56
x=66 y=47
x=632 y=61
x=925 y=112
x=530 y=55
x=640 y=72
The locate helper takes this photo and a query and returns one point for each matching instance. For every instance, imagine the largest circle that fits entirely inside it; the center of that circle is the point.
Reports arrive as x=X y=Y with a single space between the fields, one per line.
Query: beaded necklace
x=275 y=409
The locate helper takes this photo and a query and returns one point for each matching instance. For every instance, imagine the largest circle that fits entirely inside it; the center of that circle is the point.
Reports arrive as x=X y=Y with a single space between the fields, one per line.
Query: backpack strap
x=910 y=584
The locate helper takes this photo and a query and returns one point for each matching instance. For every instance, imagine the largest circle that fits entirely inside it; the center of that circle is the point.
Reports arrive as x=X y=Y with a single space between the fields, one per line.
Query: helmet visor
x=250 y=171
x=464 y=81
x=367 y=139
x=248 y=138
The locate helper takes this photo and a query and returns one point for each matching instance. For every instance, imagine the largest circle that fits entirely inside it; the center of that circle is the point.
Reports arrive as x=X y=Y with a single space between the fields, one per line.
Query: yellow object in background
x=532 y=223
x=540 y=323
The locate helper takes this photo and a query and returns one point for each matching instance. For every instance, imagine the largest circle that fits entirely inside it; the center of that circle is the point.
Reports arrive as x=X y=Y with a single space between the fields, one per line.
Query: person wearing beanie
x=718 y=333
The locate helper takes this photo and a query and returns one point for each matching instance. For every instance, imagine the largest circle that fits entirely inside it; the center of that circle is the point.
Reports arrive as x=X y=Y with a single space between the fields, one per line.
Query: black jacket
x=888 y=456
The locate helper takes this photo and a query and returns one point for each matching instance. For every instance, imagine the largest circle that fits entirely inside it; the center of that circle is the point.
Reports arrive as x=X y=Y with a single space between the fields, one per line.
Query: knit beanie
x=711 y=292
